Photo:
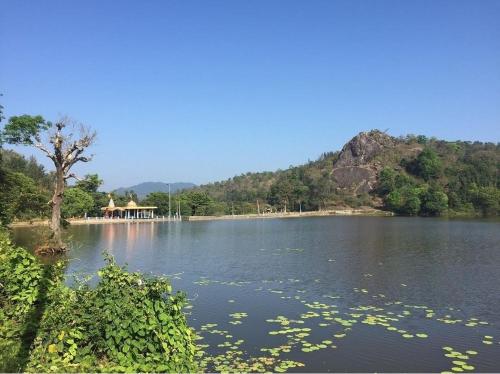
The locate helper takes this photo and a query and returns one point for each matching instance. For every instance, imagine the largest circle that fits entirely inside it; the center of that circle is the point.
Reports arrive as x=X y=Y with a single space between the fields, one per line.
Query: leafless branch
x=49 y=154
x=74 y=176
x=73 y=152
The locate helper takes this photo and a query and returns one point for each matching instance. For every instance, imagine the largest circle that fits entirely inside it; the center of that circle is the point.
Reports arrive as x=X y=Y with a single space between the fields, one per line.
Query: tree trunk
x=55 y=224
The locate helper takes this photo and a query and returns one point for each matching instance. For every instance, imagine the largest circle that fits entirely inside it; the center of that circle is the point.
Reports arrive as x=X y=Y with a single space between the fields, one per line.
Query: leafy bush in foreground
x=21 y=279
x=125 y=323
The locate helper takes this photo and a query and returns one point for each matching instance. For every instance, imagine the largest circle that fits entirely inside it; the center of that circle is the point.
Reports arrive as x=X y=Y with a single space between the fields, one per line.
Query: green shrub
x=386 y=181
x=427 y=165
x=405 y=200
x=434 y=201
x=126 y=322
x=20 y=280
x=486 y=199
x=20 y=198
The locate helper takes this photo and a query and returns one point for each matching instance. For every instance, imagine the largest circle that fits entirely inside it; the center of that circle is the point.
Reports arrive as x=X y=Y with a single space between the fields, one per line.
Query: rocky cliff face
x=357 y=167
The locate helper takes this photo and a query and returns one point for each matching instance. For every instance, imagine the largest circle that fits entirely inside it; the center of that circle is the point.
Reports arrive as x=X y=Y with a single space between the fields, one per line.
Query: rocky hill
x=375 y=169
x=357 y=166
x=352 y=171
x=364 y=156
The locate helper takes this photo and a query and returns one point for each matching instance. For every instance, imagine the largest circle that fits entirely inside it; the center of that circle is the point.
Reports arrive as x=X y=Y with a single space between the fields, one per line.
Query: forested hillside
x=408 y=175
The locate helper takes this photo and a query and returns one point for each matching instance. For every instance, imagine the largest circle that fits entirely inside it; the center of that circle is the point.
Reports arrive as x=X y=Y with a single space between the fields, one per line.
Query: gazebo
x=131 y=211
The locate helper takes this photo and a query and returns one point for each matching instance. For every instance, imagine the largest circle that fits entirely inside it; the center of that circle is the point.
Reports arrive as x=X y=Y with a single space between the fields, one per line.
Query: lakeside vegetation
x=456 y=178
x=445 y=178
x=126 y=322
x=415 y=176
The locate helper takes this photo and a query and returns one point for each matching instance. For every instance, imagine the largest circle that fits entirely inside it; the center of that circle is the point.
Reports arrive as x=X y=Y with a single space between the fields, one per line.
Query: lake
x=332 y=293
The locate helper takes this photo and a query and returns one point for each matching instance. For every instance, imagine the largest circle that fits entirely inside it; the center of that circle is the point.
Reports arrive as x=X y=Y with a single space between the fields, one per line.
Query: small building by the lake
x=130 y=211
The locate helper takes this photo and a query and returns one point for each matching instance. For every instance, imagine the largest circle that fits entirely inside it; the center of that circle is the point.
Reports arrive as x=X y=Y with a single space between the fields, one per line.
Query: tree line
x=443 y=178
x=429 y=184
x=455 y=178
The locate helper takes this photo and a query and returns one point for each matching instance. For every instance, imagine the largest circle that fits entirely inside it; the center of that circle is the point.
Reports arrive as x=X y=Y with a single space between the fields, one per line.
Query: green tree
x=288 y=191
x=76 y=203
x=281 y=193
x=386 y=181
x=126 y=197
x=90 y=183
x=403 y=180
x=404 y=200
x=15 y=162
x=120 y=200
x=200 y=204
x=299 y=193
x=401 y=193
x=21 y=198
x=427 y=165
x=160 y=200
x=486 y=199
x=101 y=199
x=422 y=139
x=434 y=201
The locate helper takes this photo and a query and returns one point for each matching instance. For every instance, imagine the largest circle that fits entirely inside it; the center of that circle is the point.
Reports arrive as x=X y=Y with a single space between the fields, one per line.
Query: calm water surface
x=364 y=286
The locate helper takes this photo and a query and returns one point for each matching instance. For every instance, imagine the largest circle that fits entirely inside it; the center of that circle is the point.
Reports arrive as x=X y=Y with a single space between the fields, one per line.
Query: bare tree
x=64 y=142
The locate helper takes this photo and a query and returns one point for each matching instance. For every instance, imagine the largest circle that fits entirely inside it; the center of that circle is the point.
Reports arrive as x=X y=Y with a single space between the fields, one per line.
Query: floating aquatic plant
x=391 y=315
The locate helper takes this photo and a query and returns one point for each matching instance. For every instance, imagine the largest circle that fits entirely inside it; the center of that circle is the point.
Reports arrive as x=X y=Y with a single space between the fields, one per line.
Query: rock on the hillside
x=356 y=169
x=363 y=148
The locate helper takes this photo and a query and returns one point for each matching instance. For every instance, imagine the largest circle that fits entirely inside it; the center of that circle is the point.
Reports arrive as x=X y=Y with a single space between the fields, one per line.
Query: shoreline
x=323 y=213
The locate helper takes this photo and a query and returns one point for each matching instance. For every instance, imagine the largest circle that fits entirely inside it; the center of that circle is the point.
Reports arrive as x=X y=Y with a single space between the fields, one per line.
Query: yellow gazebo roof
x=130 y=205
x=128 y=208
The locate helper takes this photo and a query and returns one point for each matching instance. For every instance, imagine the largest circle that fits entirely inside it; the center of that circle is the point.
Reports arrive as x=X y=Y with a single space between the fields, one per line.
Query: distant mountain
x=143 y=189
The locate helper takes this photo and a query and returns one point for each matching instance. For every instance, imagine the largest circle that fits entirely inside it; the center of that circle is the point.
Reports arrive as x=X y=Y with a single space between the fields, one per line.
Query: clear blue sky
x=203 y=90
